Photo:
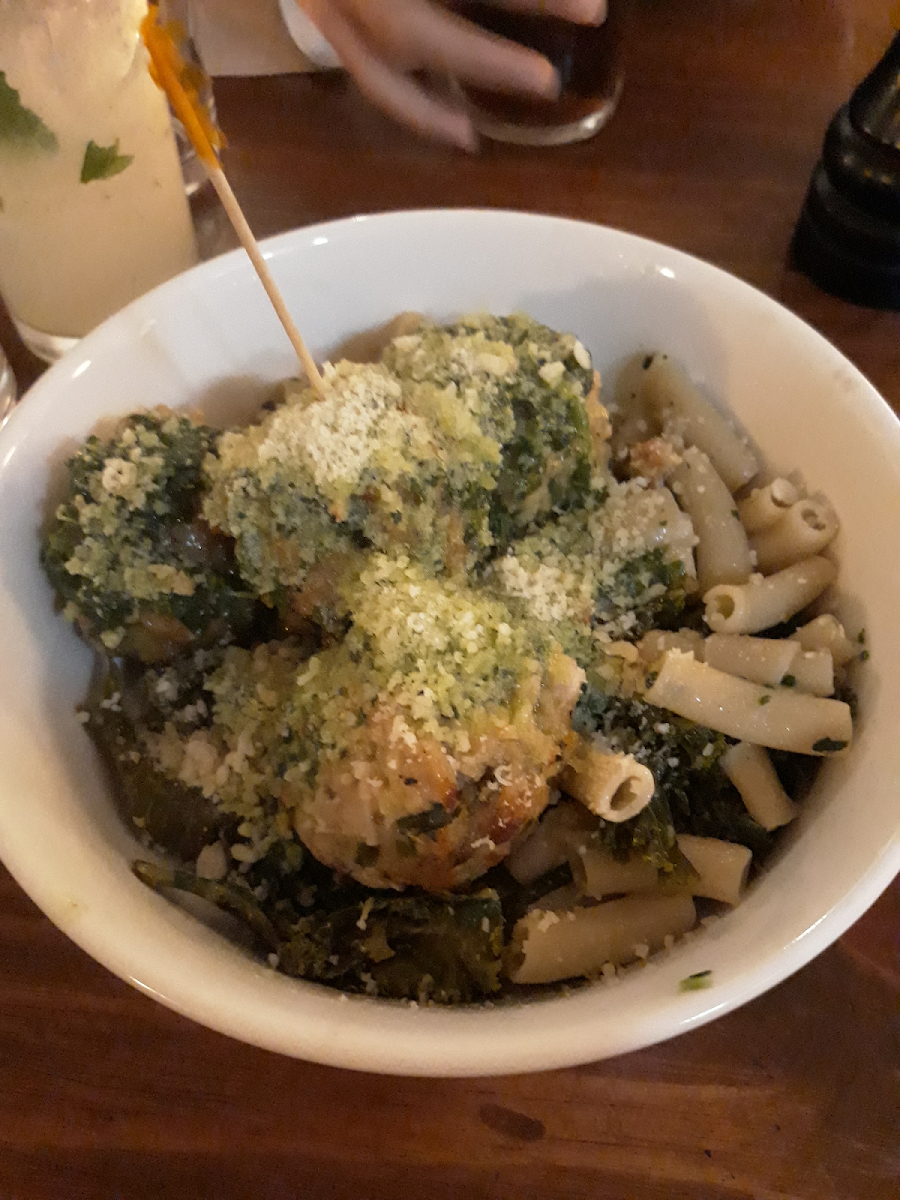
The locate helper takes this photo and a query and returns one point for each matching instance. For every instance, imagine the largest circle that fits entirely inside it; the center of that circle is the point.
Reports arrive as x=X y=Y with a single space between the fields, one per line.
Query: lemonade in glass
x=93 y=209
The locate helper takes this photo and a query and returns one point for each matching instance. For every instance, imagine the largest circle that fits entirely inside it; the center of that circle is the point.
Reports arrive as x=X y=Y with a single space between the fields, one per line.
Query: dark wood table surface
x=104 y=1094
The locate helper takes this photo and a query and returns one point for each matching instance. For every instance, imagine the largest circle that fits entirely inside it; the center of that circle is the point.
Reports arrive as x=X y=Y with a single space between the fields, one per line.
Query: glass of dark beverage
x=587 y=59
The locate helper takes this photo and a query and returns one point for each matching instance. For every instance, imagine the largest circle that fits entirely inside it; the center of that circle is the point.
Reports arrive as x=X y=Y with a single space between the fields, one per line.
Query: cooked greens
x=443 y=949
x=692 y=794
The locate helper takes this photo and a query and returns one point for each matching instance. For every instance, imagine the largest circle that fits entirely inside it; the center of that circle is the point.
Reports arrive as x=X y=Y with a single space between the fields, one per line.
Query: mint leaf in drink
x=19 y=126
x=103 y=162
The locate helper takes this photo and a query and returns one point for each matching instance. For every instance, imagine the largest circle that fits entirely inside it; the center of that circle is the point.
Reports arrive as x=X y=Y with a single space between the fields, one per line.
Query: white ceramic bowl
x=209 y=336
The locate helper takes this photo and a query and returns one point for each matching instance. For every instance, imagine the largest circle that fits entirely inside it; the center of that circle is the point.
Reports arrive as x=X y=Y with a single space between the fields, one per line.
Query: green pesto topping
x=242 y=757
x=284 y=488
x=436 y=653
x=364 y=467
x=532 y=383
x=461 y=438
x=551 y=577
x=438 y=649
x=606 y=572
x=125 y=544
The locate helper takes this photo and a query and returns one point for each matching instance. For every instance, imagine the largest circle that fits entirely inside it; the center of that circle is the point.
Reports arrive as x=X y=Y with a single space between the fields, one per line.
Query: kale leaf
x=650 y=586
x=444 y=949
x=692 y=794
x=174 y=816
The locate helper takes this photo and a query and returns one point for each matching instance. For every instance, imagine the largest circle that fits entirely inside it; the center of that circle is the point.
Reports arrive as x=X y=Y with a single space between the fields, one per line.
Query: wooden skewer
x=248 y=241
x=164 y=60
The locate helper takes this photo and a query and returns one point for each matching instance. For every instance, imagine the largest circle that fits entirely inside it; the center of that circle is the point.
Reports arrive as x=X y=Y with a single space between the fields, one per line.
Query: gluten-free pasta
x=443 y=683
x=765 y=506
x=723 y=550
x=686 y=414
x=805 y=529
x=781 y=718
x=826 y=633
x=721 y=867
x=750 y=769
x=767 y=600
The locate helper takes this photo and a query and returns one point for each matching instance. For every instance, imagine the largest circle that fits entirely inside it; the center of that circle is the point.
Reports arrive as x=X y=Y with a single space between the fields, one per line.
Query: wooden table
x=104 y=1094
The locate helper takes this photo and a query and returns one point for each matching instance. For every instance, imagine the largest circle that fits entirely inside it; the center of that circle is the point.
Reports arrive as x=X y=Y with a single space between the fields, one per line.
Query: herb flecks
x=697 y=982
x=827 y=745
x=103 y=162
x=19 y=126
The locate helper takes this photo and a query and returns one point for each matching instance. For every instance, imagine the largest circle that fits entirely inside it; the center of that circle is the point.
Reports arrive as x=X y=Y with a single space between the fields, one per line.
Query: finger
x=584 y=12
x=416 y=34
x=394 y=93
x=402 y=98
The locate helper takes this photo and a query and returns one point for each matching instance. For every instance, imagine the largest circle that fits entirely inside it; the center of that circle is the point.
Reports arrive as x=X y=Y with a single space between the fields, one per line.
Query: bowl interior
x=209 y=338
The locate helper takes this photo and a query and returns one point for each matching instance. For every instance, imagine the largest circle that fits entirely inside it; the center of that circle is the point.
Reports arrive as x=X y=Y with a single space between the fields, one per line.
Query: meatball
x=403 y=807
x=411 y=753
x=138 y=570
x=461 y=438
x=438 y=722
x=533 y=391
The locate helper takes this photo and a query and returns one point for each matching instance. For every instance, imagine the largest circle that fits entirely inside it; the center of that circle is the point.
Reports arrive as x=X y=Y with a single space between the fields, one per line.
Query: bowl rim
x=471 y=1053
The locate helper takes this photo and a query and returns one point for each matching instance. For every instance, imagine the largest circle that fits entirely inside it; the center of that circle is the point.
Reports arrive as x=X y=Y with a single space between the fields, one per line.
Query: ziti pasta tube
x=805 y=529
x=767 y=505
x=766 y=601
x=684 y=410
x=722 y=867
x=612 y=786
x=780 y=718
x=548 y=946
x=723 y=552
x=750 y=770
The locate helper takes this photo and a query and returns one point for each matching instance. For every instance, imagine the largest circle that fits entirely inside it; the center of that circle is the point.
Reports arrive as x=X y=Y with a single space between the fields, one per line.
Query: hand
x=382 y=42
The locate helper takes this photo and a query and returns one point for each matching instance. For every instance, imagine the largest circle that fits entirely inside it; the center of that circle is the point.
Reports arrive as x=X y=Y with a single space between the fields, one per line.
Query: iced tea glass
x=588 y=61
x=94 y=211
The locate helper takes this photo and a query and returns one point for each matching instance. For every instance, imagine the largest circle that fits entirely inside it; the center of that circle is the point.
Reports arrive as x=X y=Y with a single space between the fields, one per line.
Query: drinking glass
x=589 y=63
x=94 y=211
x=178 y=15
x=8 y=394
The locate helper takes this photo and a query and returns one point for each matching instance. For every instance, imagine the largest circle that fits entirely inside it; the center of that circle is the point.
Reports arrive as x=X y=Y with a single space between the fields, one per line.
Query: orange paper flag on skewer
x=173 y=75
x=178 y=80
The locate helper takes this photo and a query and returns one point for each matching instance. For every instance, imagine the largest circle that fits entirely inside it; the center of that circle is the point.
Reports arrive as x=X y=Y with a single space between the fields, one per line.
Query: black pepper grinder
x=848 y=237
